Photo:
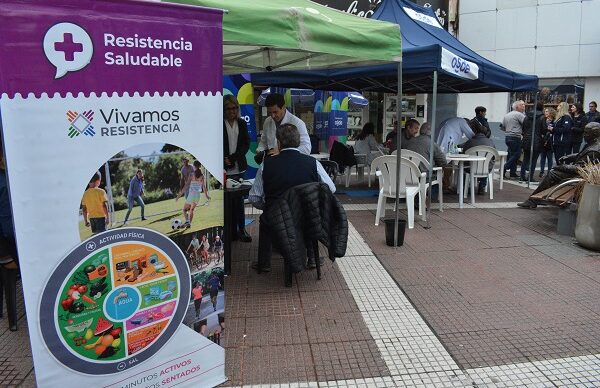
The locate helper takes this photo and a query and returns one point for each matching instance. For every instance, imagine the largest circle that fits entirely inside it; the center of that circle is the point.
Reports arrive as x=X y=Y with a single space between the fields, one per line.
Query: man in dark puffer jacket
x=276 y=175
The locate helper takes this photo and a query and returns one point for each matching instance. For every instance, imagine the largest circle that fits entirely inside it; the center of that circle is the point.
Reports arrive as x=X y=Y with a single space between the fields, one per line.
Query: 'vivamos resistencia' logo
x=116 y=122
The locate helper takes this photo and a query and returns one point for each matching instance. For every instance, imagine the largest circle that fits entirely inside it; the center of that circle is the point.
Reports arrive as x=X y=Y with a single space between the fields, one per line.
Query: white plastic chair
x=438 y=174
x=481 y=169
x=361 y=163
x=411 y=183
x=377 y=153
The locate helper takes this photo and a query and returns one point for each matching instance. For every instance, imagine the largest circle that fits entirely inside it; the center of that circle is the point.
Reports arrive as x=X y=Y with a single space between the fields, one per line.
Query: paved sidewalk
x=490 y=296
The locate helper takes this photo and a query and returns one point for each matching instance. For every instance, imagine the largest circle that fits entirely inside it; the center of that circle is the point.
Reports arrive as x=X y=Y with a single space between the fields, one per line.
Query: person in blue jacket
x=562 y=132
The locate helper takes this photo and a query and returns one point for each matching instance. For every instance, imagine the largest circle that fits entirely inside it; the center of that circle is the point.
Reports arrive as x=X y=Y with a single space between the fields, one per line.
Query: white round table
x=461 y=159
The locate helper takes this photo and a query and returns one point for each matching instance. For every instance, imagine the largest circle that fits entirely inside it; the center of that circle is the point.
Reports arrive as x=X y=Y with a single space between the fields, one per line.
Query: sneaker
x=187 y=225
x=513 y=176
x=144 y=219
x=541 y=174
x=528 y=204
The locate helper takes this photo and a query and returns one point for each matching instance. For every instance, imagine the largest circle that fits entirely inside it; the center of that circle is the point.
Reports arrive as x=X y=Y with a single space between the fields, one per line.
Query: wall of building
x=549 y=38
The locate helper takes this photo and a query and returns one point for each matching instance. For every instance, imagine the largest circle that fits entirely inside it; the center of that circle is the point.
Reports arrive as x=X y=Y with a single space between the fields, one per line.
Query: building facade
x=557 y=40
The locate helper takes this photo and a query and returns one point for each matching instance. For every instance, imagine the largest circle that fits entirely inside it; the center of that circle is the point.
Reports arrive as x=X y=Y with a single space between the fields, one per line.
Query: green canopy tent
x=267 y=35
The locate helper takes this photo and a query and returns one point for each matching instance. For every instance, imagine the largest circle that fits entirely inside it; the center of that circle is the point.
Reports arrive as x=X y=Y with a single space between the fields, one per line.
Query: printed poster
x=112 y=132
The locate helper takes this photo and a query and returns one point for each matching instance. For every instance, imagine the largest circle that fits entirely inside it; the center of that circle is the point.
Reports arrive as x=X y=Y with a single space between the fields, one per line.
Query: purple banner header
x=109 y=46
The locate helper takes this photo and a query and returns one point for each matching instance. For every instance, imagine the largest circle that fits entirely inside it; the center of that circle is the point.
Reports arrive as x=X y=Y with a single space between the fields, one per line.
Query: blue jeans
x=514 y=152
x=130 y=204
x=525 y=164
x=546 y=154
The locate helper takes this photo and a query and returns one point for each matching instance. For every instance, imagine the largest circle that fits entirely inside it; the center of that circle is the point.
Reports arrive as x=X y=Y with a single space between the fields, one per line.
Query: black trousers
x=238 y=207
x=265 y=243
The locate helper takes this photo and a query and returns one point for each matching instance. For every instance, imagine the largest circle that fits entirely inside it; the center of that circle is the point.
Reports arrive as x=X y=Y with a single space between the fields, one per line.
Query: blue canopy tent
x=426 y=48
x=432 y=61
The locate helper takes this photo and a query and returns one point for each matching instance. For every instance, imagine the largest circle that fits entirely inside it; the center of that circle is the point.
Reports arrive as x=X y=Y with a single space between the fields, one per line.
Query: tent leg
x=398 y=150
x=533 y=122
x=430 y=172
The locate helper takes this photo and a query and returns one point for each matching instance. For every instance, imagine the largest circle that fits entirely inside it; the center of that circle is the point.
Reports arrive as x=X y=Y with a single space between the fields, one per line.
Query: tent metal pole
x=533 y=122
x=430 y=172
x=398 y=151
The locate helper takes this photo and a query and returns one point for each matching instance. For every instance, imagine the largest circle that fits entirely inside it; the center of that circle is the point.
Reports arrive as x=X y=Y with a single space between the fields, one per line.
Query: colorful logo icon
x=68 y=47
x=81 y=123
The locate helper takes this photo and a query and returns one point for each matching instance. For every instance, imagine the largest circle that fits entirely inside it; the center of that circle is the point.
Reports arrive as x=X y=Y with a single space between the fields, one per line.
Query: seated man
x=568 y=168
x=275 y=176
x=480 y=139
x=422 y=144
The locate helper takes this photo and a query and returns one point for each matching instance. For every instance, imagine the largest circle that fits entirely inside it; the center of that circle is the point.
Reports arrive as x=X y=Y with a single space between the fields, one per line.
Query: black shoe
x=260 y=269
x=144 y=219
x=528 y=204
x=243 y=236
x=513 y=176
x=541 y=175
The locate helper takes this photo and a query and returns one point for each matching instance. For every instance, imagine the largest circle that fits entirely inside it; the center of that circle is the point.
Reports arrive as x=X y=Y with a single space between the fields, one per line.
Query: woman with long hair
x=365 y=142
x=579 y=122
x=562 y=132
x=546 y=153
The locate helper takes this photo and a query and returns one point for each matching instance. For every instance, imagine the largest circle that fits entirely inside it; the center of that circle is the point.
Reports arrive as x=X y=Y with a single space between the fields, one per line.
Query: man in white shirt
x=453 y=132
x=278 y=115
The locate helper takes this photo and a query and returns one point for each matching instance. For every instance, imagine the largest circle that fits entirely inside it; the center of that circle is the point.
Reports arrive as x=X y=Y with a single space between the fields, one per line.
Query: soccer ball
x=175 y=224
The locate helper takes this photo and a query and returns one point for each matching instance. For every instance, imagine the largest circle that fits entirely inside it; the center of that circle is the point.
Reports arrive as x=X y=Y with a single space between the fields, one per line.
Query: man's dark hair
x=410 y=122
x=288 y=136
x=197 y=164
x=480 y=109
x=96 y=177
x=275 y=99
x=594 y=103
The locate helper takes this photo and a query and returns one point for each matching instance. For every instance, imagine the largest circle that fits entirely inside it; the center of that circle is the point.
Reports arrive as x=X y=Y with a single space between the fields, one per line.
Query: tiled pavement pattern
x=313 y=331
x=501 y=301
x=16 y=365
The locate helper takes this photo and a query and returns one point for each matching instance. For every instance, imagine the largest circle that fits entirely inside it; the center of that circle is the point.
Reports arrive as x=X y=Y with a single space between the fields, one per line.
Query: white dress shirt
x=452 y=131
x=257 y=194
x=268 y=139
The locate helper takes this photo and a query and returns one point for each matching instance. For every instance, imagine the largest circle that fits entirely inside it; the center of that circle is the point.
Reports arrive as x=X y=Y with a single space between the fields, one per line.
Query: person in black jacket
x=278 y=173
x=236 y=143
x=580 y=120
x=562 y=132
x=537 y=140
x=480 y=113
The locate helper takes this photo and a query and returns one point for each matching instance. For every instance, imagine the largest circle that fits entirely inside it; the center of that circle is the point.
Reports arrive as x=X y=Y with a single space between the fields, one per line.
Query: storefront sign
x=361 y=8
x=456 y=65
x=101 y=107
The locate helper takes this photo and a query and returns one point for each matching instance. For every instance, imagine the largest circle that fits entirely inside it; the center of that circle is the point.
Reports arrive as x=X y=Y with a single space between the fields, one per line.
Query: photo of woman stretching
x=197 y=187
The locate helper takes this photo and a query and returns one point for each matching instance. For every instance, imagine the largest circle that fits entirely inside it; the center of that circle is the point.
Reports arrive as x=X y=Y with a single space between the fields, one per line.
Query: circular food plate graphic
x=115 y=300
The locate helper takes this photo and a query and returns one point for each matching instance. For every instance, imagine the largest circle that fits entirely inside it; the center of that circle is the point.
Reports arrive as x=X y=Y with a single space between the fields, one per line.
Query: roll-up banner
x=112 y=133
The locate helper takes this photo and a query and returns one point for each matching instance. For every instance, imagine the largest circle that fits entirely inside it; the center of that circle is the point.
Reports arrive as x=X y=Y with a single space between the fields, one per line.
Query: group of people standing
x=556 y=133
